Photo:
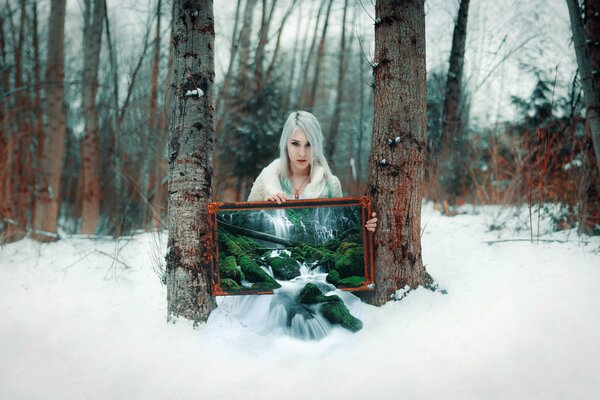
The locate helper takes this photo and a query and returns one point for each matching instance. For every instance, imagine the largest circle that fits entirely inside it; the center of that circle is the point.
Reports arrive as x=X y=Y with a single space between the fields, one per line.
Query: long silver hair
x=311 y=127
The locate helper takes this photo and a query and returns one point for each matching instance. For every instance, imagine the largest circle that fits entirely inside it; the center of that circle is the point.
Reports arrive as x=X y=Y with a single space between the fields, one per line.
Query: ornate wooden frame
x=367 y=237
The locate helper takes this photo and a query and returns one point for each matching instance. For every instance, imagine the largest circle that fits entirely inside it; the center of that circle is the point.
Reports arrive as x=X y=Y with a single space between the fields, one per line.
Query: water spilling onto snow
x=282 y=313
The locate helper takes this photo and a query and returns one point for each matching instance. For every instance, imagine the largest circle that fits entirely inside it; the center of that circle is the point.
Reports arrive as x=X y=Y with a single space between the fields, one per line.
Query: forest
x=455 y=257
x=87 y=98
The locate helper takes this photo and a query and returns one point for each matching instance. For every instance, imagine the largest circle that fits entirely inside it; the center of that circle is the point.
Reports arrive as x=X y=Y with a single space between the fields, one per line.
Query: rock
x=228 y=269
x=284 y=267
x=229 y=284
x=254 y=273
x=337 y=313
x=311 y=294
x=352 y=281
x=350 y=261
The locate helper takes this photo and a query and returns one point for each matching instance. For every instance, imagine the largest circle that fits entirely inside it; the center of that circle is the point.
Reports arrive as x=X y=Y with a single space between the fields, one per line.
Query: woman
x=301 y=171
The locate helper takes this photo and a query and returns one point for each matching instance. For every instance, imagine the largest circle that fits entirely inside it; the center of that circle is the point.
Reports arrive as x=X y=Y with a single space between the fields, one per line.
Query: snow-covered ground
x=87 y=319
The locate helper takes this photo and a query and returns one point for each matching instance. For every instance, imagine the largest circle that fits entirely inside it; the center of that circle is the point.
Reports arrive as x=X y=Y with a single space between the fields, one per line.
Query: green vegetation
x=284 y=267
x=254 y=273
x=332 y=307
x=337 y=313
x=241 y=257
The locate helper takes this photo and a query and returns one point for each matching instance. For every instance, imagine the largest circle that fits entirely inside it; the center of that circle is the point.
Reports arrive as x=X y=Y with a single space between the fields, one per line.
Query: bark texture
x=190 y=161
x=398 y=146
x=47 y=203
x=588 y=60
x=90 y=152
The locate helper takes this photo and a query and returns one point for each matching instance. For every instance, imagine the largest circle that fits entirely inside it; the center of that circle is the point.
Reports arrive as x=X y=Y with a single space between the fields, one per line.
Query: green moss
x=311 y=294
x=266 y=285
x=229 y=269
x=333 y=277
x=350 y=261
x=238 y=246
x=229 y=284
x=352 y=281
x=337 y=313
x=307 y=252
x=255 y=274
x=284 y=267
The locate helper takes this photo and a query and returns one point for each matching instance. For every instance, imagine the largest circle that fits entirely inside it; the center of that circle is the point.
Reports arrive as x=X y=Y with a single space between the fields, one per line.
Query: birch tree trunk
x=190 y=161
x=396 y=167
x=47 y=204
x=90 y=153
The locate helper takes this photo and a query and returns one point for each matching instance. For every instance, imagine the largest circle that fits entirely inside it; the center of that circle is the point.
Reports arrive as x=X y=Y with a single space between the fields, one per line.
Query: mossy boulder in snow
x=311 y=294
x=337 y=313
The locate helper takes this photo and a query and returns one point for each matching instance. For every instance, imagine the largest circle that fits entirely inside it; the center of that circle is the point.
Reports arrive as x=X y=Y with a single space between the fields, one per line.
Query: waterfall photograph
x=261 y=250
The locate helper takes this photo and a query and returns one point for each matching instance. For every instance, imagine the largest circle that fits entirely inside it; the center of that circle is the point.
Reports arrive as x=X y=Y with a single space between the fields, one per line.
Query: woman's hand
x=372 y=223
x=278 y=197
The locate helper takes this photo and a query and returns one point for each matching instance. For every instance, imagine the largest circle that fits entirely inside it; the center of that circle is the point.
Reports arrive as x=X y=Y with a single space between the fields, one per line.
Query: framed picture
x=258 y=247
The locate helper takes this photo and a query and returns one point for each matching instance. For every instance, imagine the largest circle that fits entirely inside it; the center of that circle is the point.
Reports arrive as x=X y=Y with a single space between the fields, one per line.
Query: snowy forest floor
x=87 y=319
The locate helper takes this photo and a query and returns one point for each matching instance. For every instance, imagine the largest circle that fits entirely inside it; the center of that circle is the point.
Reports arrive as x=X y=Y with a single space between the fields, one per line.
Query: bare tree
x=90 y=153
x=47 y=204
x=588 y=61
x=398 y=146
x=448 y=163
x=335 y=121
x=190 y=161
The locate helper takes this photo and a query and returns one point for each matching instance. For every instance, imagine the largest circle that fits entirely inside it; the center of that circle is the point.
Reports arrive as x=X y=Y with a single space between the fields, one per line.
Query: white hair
x=312 y=129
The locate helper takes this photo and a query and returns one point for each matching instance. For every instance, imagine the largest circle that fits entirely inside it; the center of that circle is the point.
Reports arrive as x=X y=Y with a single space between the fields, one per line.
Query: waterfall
x=283 y=313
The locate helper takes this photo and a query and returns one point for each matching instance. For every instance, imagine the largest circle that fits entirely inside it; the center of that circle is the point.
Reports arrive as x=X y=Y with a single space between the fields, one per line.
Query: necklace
x=297 y=190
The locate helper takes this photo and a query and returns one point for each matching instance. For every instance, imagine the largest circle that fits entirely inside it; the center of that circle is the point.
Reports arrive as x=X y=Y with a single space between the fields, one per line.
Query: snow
x=519 y=321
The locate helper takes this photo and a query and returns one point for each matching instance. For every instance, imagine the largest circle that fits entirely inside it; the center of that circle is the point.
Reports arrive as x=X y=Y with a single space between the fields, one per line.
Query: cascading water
x=282 y=312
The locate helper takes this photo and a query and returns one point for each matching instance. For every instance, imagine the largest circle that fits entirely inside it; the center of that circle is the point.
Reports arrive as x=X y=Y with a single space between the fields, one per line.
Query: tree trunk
x=396 y=168
x=588 y=60
x=245 y=33
x=155 y=155
x=319 y=61
x=303 y=89
x=335 y=121
x=190 y=161
x=90 y=153
x=47 y=204
x=448 y=162
x=263 y=39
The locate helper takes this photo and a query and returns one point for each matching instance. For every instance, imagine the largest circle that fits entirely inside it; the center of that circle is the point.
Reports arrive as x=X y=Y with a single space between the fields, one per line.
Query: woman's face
x=299 y=151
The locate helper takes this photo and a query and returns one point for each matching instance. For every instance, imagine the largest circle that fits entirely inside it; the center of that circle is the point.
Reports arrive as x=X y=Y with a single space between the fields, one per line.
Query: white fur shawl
x=270 y=182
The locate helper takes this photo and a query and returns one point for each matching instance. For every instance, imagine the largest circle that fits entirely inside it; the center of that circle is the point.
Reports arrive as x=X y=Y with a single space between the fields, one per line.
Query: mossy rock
x=254 y=273
x=284 y=267
x=229 y=284
x=353 y=235
x=338 y=313
x=266 y=285
x=352 y=281
x=311 y=294
x=307 y=252
x=238 y=246
x=229 y=269
x=350 y=262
